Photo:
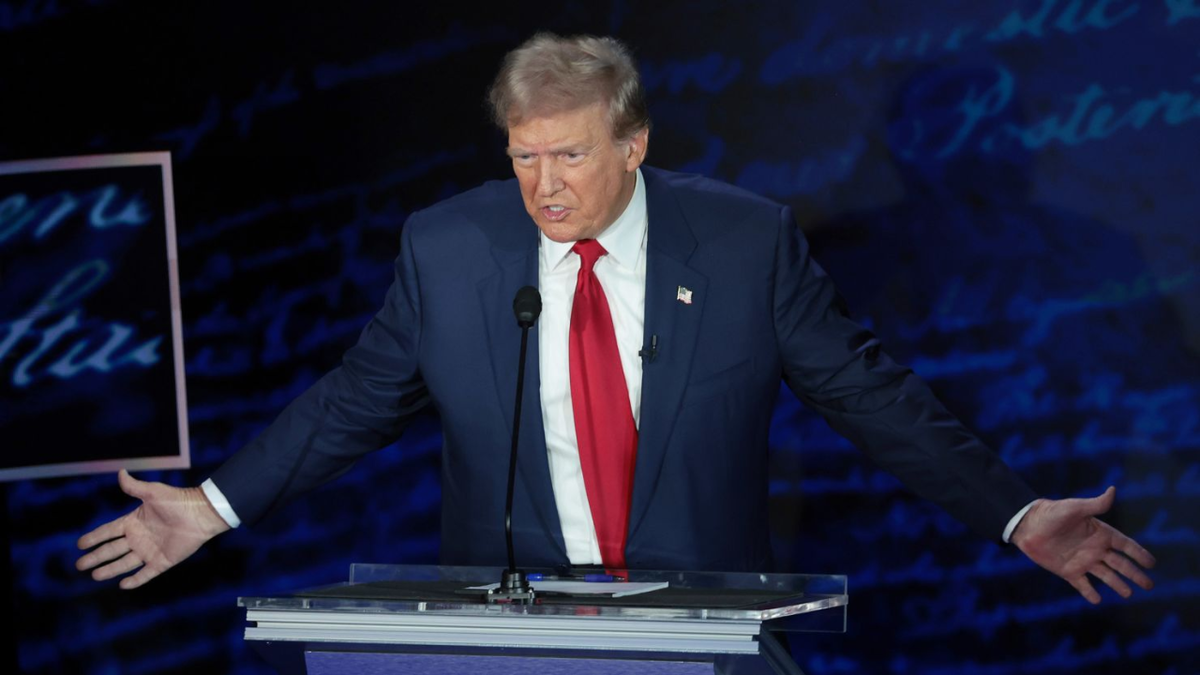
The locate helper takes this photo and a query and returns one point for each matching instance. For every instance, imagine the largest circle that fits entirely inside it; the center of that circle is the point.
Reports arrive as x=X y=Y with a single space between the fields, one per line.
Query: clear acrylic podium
x=420 y=619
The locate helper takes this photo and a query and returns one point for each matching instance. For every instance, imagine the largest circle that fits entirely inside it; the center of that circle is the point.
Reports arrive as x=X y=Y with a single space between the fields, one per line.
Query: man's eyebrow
x=560 y=150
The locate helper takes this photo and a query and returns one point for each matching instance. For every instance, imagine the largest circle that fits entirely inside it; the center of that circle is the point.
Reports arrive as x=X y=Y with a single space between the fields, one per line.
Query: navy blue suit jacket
x=761 y=310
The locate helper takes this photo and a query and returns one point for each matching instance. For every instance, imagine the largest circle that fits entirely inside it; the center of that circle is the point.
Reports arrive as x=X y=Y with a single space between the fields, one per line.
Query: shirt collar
x=623 y=239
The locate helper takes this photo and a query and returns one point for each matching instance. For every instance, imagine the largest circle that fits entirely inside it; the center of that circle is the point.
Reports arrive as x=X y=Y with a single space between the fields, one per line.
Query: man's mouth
x=556 y=212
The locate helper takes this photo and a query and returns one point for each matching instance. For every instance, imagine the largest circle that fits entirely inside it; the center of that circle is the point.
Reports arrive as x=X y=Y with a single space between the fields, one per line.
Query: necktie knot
x=589 y=251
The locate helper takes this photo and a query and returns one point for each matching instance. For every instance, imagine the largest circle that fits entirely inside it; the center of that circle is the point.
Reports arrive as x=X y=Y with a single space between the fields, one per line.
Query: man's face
x=575 y=178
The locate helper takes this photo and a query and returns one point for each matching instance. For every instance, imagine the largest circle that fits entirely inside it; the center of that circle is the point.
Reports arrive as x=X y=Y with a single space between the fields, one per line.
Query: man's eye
x=574 y=155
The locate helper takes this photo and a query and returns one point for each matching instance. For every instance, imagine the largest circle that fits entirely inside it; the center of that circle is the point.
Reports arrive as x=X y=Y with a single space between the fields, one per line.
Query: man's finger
x=118 y=567
x=110 y=551
x=1085 y=589
x=1132 y=572
x=1107 y=575
x=134 y=580
x=1133 y=549
x=110 y=530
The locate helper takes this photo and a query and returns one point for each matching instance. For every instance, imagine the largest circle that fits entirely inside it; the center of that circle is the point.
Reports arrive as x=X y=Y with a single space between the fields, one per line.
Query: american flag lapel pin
x=684 y=295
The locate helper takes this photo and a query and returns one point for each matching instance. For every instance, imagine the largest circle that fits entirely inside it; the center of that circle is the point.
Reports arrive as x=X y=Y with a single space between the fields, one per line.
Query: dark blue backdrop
x=1004 y=190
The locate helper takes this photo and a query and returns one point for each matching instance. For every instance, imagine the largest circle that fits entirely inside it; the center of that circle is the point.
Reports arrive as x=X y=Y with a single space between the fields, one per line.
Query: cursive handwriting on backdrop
x=55 y=336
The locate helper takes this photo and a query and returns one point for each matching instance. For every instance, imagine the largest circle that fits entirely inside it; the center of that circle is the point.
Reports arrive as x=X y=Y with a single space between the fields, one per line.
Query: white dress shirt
x=622 y=275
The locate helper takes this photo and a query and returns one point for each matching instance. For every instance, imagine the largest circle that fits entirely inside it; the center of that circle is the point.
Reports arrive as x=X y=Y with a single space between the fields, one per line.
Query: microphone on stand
x=514 y=584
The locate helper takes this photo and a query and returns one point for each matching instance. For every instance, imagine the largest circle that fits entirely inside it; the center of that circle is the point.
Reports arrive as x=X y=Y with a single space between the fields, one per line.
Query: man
x=673 y=306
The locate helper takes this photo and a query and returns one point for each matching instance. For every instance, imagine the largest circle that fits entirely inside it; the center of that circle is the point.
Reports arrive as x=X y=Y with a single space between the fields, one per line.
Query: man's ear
x=636 y=148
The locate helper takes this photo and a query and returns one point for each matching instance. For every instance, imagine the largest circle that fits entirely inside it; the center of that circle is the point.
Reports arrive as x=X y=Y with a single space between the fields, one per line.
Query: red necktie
x=604 y=424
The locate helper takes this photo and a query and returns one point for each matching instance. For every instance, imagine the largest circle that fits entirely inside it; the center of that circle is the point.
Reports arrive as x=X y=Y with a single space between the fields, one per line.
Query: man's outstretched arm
x=168 y=526
x=839 y=368
x=1065 y=537
x=359 y=407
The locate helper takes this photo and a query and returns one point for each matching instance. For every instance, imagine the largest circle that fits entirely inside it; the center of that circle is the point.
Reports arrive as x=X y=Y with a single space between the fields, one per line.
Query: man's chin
x=561 y=232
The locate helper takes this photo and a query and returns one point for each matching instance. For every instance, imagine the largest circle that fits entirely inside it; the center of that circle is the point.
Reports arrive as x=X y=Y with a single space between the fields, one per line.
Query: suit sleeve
x=361 y=406
x=840 y=370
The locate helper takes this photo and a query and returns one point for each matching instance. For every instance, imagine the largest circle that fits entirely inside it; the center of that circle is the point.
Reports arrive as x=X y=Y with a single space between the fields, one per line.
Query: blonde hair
x=550 y=74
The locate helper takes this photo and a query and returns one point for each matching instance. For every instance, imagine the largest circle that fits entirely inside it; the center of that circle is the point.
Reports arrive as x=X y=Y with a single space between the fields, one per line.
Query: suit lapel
x=514 y=246
x=669 y=245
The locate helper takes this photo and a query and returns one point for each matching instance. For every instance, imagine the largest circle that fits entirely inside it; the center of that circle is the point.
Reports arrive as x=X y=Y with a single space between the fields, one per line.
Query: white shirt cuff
x=1012 y=524
x=221 y=504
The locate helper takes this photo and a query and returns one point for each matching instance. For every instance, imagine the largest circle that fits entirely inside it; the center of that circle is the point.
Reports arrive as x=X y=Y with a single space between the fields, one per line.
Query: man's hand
x=168 y=526
x=1065 y=537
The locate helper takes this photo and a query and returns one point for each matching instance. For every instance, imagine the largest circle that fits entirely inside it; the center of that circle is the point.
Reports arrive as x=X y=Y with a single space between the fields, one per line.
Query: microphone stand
x=514 y=584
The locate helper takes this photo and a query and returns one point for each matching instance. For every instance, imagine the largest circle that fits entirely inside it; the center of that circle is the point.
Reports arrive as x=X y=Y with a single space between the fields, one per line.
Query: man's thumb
x=1101 y=504
x=131 y=486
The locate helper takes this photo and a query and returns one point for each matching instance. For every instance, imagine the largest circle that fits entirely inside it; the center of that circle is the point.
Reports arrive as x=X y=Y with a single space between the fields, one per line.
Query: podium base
x=326 y=663
x=299 y=658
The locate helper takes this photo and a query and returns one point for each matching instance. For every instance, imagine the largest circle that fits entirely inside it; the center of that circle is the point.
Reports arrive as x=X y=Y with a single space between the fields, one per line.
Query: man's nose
x=549 y=180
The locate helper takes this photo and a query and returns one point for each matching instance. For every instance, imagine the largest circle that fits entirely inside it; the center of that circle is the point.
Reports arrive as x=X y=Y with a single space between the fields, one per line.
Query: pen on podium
x=597 y=578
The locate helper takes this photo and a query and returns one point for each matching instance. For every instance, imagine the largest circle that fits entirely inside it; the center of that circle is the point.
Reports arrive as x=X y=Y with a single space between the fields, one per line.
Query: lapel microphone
x=650 y=353
x=514 y=584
